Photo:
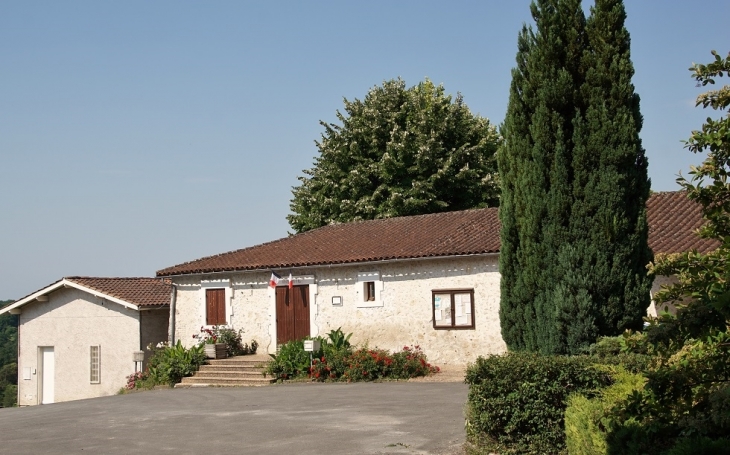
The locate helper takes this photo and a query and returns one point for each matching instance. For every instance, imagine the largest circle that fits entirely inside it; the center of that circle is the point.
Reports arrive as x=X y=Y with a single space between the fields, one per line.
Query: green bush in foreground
x=588 y=420
x=517 y=401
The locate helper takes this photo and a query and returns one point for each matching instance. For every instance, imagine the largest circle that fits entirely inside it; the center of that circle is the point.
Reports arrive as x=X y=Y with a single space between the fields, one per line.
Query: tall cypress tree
x=534 y=168
x=608 y=227
x=574 y=231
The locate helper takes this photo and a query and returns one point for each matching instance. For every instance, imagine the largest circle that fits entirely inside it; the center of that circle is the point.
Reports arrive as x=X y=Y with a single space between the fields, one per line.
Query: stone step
x=201 y=381
x=238 y=371
x=232 y=368
x=228 y=374
x=241 y=360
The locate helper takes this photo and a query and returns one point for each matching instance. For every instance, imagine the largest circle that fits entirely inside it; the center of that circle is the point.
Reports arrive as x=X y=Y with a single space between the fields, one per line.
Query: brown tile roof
x=672 y=221
x=438 y=234
x=142 y=292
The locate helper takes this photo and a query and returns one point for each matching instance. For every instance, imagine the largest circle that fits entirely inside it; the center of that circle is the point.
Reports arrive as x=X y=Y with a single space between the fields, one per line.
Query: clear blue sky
x=137 y=135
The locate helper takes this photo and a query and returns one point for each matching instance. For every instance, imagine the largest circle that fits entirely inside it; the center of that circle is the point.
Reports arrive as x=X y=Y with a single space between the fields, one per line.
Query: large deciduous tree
x=399 y=151
x=574 y=183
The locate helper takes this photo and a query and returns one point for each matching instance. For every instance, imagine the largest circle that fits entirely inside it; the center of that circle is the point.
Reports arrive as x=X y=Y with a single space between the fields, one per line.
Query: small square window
x=369 y=291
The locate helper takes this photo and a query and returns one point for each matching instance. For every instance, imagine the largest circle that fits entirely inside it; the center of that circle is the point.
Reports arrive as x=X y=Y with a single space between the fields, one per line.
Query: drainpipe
x=17 y=392
x=171 y=324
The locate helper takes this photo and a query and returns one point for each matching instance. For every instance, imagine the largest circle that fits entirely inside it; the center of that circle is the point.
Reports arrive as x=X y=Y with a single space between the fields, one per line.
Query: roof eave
x=67 y=283
x=327 y=264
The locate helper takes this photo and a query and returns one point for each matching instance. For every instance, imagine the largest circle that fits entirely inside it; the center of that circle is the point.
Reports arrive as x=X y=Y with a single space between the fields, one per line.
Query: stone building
x=428 y=280
x=77 y=337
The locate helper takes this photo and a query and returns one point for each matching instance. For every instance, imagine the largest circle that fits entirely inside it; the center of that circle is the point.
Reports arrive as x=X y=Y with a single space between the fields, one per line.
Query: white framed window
x=215 y=302
x=95 y=364
x=369 y=289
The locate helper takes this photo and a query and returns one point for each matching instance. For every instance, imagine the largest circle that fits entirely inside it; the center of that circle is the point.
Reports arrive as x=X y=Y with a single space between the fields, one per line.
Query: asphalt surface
x=362 y=418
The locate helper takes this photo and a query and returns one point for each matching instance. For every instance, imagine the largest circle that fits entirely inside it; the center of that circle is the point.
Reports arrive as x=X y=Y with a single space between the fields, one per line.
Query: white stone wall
x=403 y=315
x=71 y=321
x=653 y=310
x=247 y=306
x=406 y=317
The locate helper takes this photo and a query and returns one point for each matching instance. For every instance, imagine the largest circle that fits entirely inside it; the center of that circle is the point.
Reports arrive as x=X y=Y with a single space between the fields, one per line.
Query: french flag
x=274 y=279
x=291 y=281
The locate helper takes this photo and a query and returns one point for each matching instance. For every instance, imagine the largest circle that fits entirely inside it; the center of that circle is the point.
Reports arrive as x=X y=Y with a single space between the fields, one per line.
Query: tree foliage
x=688 y=393
x=684 y=405
x=8 y=357
x=399 y=151
x=574 y=183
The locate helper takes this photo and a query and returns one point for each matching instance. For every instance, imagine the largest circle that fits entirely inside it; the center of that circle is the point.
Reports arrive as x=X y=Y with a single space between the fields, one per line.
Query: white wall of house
x=401 y=314
x=655 y=309
x=72 y=321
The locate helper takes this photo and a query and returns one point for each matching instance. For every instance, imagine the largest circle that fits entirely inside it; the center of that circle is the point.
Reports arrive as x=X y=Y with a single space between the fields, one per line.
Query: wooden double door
x=292 y=313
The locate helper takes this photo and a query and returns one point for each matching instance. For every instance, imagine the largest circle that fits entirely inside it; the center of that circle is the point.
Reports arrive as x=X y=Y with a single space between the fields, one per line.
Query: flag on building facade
x=274 y=279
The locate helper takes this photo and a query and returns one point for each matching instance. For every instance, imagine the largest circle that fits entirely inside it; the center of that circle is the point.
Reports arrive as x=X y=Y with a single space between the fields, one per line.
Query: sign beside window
x=453 y=308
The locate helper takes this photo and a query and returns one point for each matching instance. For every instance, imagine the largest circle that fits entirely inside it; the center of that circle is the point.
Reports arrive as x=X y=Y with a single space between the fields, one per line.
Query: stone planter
x=216 y=351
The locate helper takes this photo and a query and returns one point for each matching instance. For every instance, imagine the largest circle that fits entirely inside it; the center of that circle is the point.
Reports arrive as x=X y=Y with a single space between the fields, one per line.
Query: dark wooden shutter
x=215 y=304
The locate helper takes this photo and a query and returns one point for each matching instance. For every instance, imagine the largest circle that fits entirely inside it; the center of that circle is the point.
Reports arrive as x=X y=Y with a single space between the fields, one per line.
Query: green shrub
x=411 y=362
x=292 y=361
x=628 y=351
x=169 y=364
x=10 y=396
x=337 y=340
x=517 y=401
x=367 y=365
x=587 y=420
x=701 y=446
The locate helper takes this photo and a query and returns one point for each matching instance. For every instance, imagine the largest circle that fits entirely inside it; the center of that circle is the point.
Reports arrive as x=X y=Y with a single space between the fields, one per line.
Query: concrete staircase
x=241 y=371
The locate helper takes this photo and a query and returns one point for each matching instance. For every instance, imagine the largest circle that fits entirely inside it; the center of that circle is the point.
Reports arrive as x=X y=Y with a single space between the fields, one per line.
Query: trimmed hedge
x=517 y=400
x=587 y=421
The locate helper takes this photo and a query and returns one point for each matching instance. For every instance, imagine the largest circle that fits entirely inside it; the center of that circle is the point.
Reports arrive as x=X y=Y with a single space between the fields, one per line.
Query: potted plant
x=209 y=339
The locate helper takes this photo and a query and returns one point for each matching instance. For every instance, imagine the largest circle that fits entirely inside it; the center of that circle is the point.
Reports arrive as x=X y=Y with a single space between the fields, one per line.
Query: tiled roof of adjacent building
x=672 y=221
x=143 y=292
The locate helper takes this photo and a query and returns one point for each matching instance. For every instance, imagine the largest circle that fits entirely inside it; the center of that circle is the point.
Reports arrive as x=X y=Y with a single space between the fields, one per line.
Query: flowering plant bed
x=337 y=360
x=372 y=364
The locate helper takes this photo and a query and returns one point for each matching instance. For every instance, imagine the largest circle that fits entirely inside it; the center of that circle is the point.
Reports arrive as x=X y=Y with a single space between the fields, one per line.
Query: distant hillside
x=8 y=357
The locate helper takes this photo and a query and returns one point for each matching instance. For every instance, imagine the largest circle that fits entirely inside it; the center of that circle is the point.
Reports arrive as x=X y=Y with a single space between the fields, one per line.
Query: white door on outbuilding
x=48 y=373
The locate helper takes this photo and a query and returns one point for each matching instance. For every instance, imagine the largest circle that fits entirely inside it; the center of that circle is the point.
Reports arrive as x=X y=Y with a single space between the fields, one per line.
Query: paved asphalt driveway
x=300 y=419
